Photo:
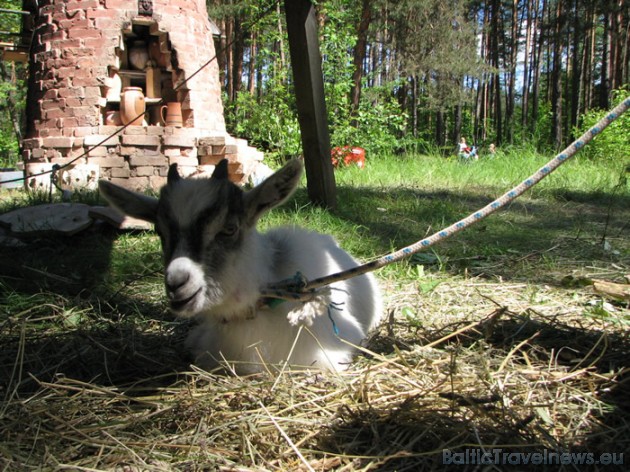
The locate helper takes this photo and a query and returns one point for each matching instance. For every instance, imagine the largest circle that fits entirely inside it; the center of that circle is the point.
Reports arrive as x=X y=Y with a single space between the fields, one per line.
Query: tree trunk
x=618 y=43
x=578 y=34
x=588 y=51
x=359 y=55
x=526 y=71
x=625 y=41
x=605 y=84
x=237 y=61
x=251 y=69
x=536 y=66
x=229 y=77
x=222 y=53
x=495 y=17
x=481 y=107
x=383 y=59
x=511 y=82
x=556 y=78
x=587 y=29
x=457 y=124
x=281 y=67
x=414 y=105
x=439 y=128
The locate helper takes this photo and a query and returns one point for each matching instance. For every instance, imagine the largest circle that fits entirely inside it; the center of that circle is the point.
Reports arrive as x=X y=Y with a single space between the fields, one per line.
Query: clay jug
x=173 y=114
x=132 y=106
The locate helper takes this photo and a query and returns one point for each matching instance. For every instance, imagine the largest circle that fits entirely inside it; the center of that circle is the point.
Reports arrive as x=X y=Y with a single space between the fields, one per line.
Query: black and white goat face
x=205 y=226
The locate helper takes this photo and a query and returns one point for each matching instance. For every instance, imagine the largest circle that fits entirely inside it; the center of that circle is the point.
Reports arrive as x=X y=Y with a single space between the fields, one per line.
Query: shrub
x=614 y=142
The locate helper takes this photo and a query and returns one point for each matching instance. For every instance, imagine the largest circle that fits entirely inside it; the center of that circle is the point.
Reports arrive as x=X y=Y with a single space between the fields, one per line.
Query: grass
x=492 y=339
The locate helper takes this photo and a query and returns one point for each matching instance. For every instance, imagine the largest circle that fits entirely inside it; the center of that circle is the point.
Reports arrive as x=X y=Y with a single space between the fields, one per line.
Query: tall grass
x=397 y=200
x=501 y=172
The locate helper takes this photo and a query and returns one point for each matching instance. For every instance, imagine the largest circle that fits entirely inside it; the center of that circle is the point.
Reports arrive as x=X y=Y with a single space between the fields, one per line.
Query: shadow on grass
x=122 y=356
x=556 y=365
x=62 y=315
x=566 y=225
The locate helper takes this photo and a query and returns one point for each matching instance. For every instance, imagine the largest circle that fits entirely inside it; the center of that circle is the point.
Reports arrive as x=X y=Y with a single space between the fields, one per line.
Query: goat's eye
x=229 y=230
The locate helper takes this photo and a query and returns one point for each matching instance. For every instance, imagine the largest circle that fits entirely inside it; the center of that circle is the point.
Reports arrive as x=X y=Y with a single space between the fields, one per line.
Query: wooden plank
x=15 y=56
x=306 y=63
x=612 y=290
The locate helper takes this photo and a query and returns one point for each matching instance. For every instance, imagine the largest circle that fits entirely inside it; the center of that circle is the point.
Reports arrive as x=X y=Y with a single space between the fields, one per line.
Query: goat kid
x=217 y=262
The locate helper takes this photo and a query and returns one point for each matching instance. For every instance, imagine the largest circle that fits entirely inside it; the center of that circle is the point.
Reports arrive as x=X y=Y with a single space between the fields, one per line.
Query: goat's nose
x=175 y=280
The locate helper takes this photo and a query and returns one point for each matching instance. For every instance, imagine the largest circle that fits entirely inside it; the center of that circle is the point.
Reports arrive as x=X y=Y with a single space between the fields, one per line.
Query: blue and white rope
x=290 y=290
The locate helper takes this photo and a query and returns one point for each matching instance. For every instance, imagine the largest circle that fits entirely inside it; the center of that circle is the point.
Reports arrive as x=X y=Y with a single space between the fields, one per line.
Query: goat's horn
x=221 y=170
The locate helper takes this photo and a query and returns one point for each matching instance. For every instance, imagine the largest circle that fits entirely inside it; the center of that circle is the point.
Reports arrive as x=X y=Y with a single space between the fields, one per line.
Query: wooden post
x=306 y=63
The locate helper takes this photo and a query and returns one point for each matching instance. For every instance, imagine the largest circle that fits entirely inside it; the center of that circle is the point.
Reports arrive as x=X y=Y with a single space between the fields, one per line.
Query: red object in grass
x=347 y=155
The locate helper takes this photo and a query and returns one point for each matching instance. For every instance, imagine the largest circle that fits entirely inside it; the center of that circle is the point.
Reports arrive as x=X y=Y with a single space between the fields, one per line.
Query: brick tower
x=86 y=53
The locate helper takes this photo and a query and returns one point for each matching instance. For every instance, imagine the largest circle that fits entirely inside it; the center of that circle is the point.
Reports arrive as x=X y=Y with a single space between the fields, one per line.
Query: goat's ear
x=173 y=175
x=221 y=170
x=273 y=191
x=128 y=202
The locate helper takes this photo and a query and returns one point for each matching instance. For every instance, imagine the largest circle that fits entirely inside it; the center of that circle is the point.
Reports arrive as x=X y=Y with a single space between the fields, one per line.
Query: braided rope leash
x=303 y=290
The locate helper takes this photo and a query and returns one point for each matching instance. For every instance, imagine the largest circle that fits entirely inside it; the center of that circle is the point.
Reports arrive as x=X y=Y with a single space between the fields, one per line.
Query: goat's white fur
x=233 y=325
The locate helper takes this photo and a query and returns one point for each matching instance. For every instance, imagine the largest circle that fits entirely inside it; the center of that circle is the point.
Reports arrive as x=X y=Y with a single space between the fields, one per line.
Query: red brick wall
x=75 y=42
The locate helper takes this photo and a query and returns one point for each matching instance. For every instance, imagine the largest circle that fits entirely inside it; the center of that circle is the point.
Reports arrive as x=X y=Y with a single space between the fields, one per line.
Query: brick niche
x=80 y=61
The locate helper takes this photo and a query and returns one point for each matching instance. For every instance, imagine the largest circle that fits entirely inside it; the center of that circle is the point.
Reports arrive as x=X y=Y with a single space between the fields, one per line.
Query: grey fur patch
x=192 y=217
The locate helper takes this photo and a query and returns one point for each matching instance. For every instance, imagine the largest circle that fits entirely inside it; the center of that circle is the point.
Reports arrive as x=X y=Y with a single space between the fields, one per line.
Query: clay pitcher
x=173 y=114
x=132 y=106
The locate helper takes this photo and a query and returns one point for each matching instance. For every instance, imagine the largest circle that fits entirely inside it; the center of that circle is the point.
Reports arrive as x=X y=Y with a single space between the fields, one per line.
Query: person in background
x=463 y=147
x=492 y=150
x=464 y=150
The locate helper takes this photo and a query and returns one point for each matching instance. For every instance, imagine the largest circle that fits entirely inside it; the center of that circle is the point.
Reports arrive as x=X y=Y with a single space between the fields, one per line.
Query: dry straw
x=482 y=369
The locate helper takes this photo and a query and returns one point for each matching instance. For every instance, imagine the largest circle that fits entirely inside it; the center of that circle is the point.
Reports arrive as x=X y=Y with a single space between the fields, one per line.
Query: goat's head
x=203 y=224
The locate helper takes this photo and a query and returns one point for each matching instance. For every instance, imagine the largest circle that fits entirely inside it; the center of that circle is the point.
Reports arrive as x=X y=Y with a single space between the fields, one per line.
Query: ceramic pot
x=112 y=118
x=132 y=106
x=173 y=115
x=138 y=55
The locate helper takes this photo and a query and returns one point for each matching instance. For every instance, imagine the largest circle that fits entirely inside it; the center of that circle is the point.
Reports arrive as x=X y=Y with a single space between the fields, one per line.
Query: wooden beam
x=306 y=63
x=14 y=56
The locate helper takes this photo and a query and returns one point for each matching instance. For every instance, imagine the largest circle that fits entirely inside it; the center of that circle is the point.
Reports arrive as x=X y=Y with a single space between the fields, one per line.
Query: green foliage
x=614 y=143
x=10 y=22
x=9 y=144
x=269 y=122
x=379 y=122
x=12 y=86
x=377 y=127
x=269 y=119
x=541 y=135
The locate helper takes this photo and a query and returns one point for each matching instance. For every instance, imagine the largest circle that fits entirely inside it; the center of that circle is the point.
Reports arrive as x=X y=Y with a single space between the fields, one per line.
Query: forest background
x=412 y=75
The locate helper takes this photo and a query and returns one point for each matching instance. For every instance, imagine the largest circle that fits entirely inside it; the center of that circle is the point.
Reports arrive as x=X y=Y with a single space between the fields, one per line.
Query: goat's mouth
x=186 y=304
